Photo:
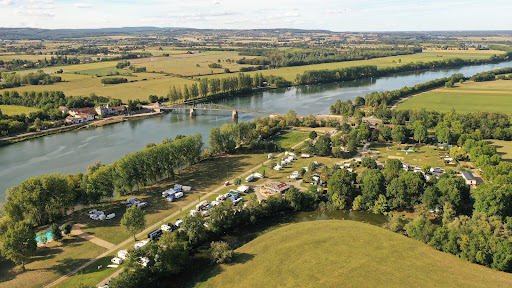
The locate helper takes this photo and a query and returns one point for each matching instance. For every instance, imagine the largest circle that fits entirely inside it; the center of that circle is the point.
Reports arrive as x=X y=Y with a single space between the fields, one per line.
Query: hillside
x=335 y=253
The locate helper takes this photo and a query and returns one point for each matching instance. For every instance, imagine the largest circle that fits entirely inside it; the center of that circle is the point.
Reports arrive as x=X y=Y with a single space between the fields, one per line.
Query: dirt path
x=155 y=226
x=76 y=230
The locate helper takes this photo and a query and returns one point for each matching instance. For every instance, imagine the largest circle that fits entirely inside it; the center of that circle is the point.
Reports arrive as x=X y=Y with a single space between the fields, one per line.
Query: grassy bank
x=491 y=96
x=334 y=253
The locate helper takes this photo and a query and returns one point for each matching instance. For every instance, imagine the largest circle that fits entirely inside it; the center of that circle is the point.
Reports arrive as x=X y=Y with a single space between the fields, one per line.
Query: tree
x=395 y=223
x=153 y=98
x=312 y=135
x=133 y=221
x=392 y=168
x=448 y=213
x=323 y=146
x=457 y=153
x=420 y=132
x=340 y=188
x=386 y=132
x=238 y=181
x=494 y=200
x=399 y=134
x=57 y=234
x=369 y=163
x=220 y=252
x=19 y=243
x=374 y=184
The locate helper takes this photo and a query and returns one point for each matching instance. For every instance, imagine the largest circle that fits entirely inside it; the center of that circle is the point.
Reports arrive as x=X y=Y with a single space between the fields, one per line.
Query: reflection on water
x=72 y=152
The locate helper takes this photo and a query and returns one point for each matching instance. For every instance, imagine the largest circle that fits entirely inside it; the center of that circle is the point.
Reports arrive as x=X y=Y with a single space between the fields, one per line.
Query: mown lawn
x=491 y=96
x=16 y=110
x=50 y=262
x=290 y=138
x=337 y=253
x=504 y=148
x=423 y=155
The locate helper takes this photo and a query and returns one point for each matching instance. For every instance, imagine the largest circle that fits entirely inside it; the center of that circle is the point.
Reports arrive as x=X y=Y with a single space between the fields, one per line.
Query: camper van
x=117 y=260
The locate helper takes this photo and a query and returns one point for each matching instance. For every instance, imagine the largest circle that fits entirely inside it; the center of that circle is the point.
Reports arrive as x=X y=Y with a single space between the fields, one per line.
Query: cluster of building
x=81 y=115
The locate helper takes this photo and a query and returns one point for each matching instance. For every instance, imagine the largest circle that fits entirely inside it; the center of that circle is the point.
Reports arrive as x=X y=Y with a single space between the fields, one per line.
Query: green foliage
x=220 y=252
x=312 y=135
x=341 y=189
x=18 y=243
x=56 y=232
x=114 y=80
x=133 y=220
x=494 y=200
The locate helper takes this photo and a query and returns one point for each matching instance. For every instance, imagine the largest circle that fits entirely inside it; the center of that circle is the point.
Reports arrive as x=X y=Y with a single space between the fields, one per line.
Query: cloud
x=340 y=11
x=32 y=13
x=216 y=3
x=83 y=5
x=6 y=3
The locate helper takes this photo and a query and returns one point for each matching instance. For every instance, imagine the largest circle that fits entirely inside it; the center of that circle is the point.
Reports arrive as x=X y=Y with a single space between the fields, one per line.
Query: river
x=72 y=152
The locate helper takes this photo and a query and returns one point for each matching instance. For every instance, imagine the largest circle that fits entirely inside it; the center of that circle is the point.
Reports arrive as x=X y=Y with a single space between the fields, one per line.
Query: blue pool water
x=49 y=236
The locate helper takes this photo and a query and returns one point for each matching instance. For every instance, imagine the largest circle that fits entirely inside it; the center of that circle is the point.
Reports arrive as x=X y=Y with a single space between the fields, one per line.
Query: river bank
x=73 y=151
x=94 y=123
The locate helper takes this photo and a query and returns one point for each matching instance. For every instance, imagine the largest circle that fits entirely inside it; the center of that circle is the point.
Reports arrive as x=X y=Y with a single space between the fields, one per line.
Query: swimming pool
x=49 y=236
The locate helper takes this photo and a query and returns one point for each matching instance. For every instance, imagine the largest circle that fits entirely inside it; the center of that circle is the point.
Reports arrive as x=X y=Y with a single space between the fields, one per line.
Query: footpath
x=155 y=226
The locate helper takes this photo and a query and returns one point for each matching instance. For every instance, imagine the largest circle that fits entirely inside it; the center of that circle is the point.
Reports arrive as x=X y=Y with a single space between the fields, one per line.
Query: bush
x=116 y=80
x=57 y=234
x=67 y=228
x=220 y=252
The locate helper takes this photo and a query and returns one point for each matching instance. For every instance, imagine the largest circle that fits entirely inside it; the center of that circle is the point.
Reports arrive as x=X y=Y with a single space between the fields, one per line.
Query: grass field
x=188 y=66
x=185 y=64
x=51 y=262
x=104 y=71
x=490 y=96
x=289 y=73
x=287 y=140
x=336 y=253
x=504 y=148
x=15 y=109
x=83 y=85
x=423 y=155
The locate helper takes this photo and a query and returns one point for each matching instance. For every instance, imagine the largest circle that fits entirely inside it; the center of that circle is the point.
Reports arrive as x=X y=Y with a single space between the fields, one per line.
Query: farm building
x=468 y=176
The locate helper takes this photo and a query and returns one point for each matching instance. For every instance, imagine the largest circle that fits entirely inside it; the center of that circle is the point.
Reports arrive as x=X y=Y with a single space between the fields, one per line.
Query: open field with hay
x=489 y=96
x=337 y=253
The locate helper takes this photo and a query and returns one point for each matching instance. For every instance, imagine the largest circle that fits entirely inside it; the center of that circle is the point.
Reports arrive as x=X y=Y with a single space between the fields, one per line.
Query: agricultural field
x=16 y=110
x=289 y=73
x=504 y=148
x=489 y=96
x=105 y=71
x=422 y=155
x=144 y=84
x=324 y=254
x=196 y=64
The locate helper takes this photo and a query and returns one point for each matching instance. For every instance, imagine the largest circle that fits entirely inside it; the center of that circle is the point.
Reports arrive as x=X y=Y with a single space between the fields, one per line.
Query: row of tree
x=362 y=72
x=44 y=199
x=11 y=79
x=280 y=58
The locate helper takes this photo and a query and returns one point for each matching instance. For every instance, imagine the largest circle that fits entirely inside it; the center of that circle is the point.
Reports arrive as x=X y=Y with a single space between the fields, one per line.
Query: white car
x=205 y=213
x=110 y=216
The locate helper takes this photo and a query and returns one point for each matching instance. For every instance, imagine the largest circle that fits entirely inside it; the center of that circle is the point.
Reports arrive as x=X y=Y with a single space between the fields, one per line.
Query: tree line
x=20 y=64
x=361 y=72
x=45 y=199
x=279 y=58
x=11 y=79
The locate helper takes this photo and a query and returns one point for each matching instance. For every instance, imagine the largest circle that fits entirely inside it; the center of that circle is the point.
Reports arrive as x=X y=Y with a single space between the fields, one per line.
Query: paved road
x=155 y=226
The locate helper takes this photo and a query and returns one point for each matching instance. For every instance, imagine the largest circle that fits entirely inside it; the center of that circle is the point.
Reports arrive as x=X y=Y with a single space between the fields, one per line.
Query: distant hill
x=53 y=34
x=334 y=253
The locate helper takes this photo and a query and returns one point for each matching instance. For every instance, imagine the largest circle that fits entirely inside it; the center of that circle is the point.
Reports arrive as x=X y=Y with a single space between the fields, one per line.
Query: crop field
x=289 y=73
x=325 y=253
x=504 y=148
x=104 y=71
x=196 y=64
x=144 y=84
x=423 y=155
x=8 y=57
x=15 y=110
x=490 y=96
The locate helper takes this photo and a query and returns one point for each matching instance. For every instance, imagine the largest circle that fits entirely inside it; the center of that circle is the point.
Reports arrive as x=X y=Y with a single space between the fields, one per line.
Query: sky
x=335 y=15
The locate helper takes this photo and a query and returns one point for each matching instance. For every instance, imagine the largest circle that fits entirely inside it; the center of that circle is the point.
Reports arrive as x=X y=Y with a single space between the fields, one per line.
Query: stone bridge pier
x=192 y=112
x=234 y=114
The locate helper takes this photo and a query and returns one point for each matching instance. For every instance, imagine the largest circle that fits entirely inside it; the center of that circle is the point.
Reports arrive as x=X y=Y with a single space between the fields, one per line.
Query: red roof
x=86 y=110
x=120 y=108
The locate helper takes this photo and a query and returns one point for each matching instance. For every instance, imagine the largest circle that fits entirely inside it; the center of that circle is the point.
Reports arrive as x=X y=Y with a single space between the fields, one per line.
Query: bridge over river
x=213 y=106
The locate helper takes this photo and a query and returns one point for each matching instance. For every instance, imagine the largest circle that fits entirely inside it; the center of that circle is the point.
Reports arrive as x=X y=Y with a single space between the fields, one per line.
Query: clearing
x=422 y=155
x=489 y=96
x=15 y=109
x=504 y=148
x=337 y=253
